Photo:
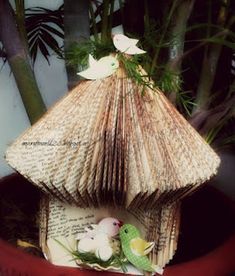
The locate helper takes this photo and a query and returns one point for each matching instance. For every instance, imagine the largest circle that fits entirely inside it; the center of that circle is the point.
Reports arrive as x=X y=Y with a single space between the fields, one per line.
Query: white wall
x=52 y=83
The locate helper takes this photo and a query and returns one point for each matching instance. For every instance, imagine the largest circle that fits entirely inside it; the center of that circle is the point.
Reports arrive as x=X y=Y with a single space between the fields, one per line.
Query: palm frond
x=3 y=54
x=42 y=26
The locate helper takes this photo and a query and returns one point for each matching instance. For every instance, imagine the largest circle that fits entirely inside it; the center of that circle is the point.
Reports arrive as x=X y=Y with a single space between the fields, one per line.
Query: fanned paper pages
x=62 y=222
x=108 y=143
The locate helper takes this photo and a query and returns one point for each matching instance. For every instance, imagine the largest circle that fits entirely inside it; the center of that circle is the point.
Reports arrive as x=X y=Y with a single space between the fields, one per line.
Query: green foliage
x=209 y=33
x=132 y=66
x=211 y=134
x=170 y=81
x=185 y=102
x=78 y=53
x=42 y=26
x=3 y=54
x=103 y=16
x=117 y=260
x=227 y=141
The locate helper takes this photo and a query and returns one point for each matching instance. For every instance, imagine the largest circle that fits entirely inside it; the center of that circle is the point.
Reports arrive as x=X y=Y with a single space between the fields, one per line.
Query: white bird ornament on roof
x=99 y=69
x=127 y=45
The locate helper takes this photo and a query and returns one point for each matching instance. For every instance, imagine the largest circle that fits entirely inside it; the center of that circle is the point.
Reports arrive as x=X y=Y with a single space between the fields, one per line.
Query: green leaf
x=51 y=42
x=90 y=258
x=44 y=50
x=3 y=54
x=53 y=30
x=228 y=140
x=33 y=51
x=221 y=42
x=203 y=26
x=43 y=26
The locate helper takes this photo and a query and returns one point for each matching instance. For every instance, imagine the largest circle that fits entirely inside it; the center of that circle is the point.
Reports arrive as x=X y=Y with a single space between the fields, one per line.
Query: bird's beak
x=120 y=223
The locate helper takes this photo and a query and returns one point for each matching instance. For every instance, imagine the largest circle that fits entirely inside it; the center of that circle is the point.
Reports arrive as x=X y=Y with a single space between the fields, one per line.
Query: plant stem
x=18 y=61
x=215 y=117
x=146 y=15
x=166 y=25
x=110 y=24
x=104 y=24
x=209 y=67
x=93 y=20
x=20 y=20
x=120 y=2
x=76 y=30
x=177 y=37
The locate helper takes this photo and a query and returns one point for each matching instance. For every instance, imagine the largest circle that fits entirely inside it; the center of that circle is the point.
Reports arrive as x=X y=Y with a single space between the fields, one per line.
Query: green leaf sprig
x=117 y=260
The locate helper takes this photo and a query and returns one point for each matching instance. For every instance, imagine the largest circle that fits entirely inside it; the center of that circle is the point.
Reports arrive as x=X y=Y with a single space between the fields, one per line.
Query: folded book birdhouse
x=108 y=143
x=113 y=143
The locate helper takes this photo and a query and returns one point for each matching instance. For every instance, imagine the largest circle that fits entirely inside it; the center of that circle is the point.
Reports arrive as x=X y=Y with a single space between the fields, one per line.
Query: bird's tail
x=149 y=247
x=157 y=269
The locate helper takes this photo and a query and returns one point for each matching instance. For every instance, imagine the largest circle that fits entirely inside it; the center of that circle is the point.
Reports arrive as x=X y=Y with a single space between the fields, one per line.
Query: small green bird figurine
x=135 y=249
